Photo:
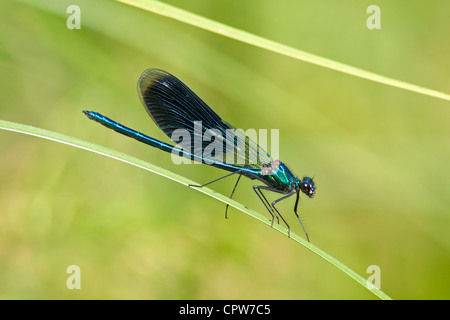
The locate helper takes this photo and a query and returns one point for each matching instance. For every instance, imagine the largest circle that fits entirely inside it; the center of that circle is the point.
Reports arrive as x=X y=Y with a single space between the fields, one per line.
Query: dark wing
x=172 y=105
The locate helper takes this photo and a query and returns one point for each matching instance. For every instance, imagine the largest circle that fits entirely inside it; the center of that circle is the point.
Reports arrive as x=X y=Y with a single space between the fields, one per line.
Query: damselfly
x=174 y=107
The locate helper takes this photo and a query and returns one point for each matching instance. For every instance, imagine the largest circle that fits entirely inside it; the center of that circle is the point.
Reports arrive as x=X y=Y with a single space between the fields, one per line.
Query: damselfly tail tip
x=87 y=113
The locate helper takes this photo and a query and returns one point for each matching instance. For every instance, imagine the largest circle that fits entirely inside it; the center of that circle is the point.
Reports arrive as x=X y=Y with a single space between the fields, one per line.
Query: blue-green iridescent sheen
x=172 y=105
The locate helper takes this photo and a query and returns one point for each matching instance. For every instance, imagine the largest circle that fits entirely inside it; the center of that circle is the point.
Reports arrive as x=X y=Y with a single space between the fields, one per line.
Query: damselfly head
x=307 y=186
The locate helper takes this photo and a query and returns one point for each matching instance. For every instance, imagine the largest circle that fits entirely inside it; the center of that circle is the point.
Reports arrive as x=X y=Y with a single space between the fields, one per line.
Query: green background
x=380 y=155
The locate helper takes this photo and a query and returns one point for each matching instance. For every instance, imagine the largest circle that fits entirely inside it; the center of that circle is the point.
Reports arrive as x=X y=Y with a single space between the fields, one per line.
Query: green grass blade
x=237 y=34
x=61 y=138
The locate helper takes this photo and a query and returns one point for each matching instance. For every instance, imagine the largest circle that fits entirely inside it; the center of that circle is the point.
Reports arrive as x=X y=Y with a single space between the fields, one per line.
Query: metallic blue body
x=172 y=105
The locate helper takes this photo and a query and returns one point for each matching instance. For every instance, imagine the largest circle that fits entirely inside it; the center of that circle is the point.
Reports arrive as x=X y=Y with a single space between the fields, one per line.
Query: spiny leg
x=268 y=203
x=274 y=210
x=273 y=206
x=295 y=211
x=204 y=185
x=201 y=186
x=265 y=202
x=226 y=208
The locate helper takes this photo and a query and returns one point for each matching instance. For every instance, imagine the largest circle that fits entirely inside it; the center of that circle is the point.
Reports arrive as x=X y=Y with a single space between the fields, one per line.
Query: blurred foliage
x=380 y=155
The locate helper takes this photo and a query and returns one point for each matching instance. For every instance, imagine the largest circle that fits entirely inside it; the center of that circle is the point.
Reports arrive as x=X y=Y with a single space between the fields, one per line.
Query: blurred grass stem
x=237 y=34
x=61 y=138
